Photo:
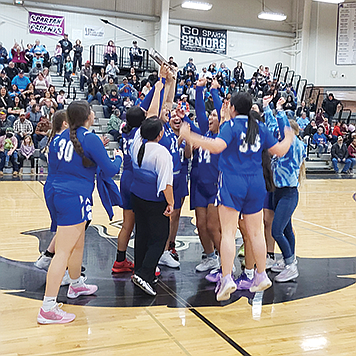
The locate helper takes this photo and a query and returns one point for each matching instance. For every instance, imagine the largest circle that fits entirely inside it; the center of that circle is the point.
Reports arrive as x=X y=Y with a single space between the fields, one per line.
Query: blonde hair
x=24 y=140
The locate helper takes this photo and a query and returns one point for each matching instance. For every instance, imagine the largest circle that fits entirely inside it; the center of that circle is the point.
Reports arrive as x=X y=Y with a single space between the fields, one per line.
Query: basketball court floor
x=315 y=315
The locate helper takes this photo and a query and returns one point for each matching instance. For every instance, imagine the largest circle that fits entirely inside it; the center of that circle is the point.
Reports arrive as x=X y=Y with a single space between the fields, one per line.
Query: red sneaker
x=124 y=266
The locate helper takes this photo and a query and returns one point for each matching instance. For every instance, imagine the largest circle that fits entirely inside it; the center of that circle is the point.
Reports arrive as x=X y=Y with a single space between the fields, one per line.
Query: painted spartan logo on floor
x=176 y=288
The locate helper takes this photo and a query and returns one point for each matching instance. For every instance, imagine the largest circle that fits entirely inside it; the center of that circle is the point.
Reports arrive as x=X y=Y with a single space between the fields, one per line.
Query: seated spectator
x=183 y=104
x=3 y=54
x=352 y=153
x=303 y=108
x=267 y=73
x=180 y=90
x=21 y=81
x=4 y=122
x=109 y=86
x=320 y=141
x=302 y=122
x=61 y=99
x=29 y=55
x=43 y=128
x=190 y=76
x=191 y=92
x=153 y=78
x=18 y=56
x=27 y=150
x=146 y=89
x=239 y=75
x=327 y=129
x=52 y=90
x=336 y=131
x=232 y=88
x=112 y=102
x=140 y=99
x=127 y=90
x=37 y=60
x=209 y=104
x=312 y=108
x=48 y=97
x=4 y=80
x=112 y=70
x=339 y=154
x=102 y=77
x=14 y=91
x=68 y=70
x=205 y=73
x=47 y=76
x=15 y=109
x=48 y=108
x=26 y=94
x=114 y=124
x=132 y=73
x=309 y=132
x=319 y=117
x=190 y=65
x=85 y=75
x=171 y=62
x=57 y=60
x=41 y=84
x=135 y=54
x=288 y=92
x=34 y=71
x=349 y=137
x=253 y=87
x=127 y=103
x=110 y=53
x=289 y=107
x=212 y=69
x=225 y=73
x=22 y=127
x=5 y=99
x=35 y=115
x=39 y=48
x=11 y=70
x=134 y=81
x=330 y=105
x=8 y=145
x=95 y=91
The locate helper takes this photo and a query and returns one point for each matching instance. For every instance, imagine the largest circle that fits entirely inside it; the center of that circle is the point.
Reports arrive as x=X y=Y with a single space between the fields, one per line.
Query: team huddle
x=240 y=166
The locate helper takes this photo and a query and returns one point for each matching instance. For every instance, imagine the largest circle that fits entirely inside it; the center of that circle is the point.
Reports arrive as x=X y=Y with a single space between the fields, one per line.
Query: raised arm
x=203 y=121
x=216 y=98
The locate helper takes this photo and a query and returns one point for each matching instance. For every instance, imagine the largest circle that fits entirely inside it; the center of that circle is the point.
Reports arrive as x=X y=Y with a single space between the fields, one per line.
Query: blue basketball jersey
x=127 y=140
x=170 y=141
x=239 y=157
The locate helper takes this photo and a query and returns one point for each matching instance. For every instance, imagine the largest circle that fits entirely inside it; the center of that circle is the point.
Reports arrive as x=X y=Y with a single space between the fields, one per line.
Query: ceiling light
x=271 y=16
x=196 y=5
x=331 y=1
x=18 y=2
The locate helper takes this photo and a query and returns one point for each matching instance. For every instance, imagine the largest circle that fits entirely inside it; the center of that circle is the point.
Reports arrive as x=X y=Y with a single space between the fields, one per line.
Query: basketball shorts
x=193 y=186
x=268 y=201
x=205 y=194
x=125 y=185
x=180 y=189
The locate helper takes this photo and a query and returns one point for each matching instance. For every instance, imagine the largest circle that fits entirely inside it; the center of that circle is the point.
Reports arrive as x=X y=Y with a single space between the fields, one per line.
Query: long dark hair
x=77 y=113
x=242 y=101
x=150 y=129
x=134 y=118
x=57 y=122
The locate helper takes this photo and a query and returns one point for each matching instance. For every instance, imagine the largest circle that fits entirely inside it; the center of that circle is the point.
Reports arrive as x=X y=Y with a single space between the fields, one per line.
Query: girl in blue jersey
x=206 y=213
x=241 y=185
x=152 y=200
x=74 y=166
x=134 y=118
x=287 y=171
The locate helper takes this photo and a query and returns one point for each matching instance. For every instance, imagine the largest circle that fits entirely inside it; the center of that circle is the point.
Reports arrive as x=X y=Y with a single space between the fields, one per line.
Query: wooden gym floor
x=316 y=315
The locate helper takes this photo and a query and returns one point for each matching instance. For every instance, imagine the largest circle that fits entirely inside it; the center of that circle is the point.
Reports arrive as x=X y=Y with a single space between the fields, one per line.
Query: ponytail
x=252 y=127
x=87 y=162
x=267 y=171
x=140 y=154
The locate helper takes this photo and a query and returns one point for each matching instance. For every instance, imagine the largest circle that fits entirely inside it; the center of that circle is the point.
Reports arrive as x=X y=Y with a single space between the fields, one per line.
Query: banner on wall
x=43 y=24
x=94 y=31
x=205 y=40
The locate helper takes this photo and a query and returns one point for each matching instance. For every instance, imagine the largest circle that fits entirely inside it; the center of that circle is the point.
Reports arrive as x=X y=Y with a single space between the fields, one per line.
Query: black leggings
x=22 y=158
x=152 y=230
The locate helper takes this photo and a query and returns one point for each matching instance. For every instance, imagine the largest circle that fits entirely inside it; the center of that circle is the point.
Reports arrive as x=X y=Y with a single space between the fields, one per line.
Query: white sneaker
x=289 y=273
x=66 y=279
x=43 y=262
x=270 y=262
x=227 y=287
x=278 y=266
x=141 y=283
x=208 y=264
x=167 y=260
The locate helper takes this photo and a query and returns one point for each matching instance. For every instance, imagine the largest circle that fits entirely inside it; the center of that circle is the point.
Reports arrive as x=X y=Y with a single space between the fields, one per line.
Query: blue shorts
x=193 y=186
x=244 y=193
x=49 y=195
x=205 y=194
x=125 y=185
x=180 y=189
x=268 y=201
x=71 y=209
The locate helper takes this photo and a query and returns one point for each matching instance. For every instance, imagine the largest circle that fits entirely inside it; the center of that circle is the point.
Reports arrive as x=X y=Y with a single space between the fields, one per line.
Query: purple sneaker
x=227 y=286
x=214 y=275
x=243 y=282
x=260 y=282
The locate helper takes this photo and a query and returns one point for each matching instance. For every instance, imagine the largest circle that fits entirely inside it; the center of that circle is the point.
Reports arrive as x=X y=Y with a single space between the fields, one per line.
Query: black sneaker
x=145 y=286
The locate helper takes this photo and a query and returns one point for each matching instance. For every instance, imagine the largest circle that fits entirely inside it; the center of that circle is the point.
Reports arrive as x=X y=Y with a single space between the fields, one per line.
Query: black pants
x=22 y=158
x=152 y=230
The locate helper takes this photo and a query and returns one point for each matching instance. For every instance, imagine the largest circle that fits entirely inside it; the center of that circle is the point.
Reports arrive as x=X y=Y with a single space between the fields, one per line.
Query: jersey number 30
x=66 y=150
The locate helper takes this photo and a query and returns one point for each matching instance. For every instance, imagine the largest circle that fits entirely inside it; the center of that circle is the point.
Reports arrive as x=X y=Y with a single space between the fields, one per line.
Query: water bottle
x=41 y=170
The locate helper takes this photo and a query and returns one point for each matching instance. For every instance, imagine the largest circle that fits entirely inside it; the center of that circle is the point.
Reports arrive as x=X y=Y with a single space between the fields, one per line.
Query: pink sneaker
x=55 y=316
x=82 y=289
x=260 y=282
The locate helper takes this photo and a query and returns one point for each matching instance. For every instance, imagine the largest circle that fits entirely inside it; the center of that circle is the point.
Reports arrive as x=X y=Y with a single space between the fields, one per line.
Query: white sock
x=249 y=273
x=76 y=282
x=49 y=303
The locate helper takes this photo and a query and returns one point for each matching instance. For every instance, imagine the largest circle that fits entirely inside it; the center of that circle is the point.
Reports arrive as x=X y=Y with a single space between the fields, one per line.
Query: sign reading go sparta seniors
x=198 y=39
x=45 y=24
